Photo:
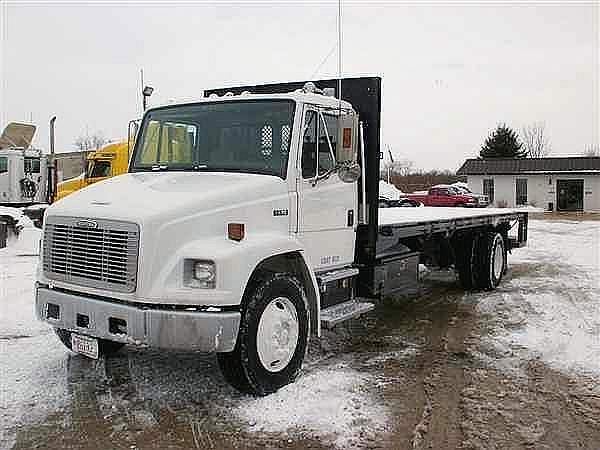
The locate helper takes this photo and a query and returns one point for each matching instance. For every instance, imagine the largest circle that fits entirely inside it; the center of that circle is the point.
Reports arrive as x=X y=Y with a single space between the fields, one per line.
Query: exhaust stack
x=52 y=181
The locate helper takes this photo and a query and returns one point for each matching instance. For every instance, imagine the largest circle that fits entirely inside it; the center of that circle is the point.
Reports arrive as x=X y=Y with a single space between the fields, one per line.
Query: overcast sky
x=451 y=71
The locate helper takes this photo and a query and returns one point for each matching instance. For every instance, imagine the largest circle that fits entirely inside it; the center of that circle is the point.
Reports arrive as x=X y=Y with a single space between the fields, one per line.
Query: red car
x=444 y=196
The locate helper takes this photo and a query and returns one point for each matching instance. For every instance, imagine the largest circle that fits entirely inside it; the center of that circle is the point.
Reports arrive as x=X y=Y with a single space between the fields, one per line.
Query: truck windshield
x=98 y=169
x=236 y=136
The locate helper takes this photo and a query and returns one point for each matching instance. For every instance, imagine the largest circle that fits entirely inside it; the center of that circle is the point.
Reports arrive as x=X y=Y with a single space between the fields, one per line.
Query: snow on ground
x=32 y=361
x=329 y=402
x=548 y=309
x=551 y=307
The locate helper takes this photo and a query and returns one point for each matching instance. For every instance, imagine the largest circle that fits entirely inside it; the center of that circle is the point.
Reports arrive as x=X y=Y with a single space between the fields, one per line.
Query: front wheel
x=272 y=339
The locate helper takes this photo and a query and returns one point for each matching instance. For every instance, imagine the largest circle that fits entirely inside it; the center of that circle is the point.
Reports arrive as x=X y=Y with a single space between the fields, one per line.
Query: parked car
x=482 y=200
x=444 y=196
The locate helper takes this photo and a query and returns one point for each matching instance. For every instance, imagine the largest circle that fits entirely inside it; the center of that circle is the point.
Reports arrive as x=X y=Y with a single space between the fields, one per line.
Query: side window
x=32 y=165
x=328 y=134
x=3 y=164
x=521 y=191
x=309 y=146
x=320 y=131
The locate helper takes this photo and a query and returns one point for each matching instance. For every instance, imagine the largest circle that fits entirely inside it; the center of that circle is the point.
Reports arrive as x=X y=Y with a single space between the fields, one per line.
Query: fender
x=235 y=262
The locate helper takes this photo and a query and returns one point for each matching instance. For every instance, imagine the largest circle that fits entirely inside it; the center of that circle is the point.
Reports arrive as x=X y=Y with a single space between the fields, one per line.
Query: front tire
x=105 y=347
x=272 y=339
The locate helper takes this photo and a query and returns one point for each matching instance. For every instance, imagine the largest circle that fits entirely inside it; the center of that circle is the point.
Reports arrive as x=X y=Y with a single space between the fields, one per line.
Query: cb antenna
x=340 y=53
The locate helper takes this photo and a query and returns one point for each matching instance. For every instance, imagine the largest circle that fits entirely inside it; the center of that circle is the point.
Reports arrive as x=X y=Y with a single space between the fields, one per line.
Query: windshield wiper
x=157 y=167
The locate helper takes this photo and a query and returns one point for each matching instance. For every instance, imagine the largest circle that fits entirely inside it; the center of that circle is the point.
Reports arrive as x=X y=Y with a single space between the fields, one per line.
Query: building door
x=488 y=189
x=569 y=195
x=521 y=191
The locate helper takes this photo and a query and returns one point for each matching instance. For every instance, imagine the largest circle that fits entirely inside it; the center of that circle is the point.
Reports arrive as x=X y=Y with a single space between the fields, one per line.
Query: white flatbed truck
x=247 y=222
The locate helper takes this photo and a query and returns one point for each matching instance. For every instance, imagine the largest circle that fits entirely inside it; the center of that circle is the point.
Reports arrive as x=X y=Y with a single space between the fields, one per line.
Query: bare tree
x=591 y=150
x=535 y=140
x=93 y=142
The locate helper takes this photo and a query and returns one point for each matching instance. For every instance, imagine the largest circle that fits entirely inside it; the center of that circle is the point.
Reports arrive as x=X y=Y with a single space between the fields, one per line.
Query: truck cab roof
x=299 y=96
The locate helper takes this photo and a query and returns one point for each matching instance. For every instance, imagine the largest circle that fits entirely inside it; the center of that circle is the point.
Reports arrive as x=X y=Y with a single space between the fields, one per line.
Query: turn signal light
x=236 y=231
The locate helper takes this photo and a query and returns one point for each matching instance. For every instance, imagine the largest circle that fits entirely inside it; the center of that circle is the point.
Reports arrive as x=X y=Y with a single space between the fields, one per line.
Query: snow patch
x=32 y=360
x=332 y=403
x=389 y=191
x=552 y=310
x=27 y=241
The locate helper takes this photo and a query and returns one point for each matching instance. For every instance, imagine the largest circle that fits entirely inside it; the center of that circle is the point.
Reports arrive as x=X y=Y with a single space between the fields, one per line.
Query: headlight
x=199 y=273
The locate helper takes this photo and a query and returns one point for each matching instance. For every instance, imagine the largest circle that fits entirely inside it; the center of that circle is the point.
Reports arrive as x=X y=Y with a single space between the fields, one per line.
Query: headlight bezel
x=199 y=273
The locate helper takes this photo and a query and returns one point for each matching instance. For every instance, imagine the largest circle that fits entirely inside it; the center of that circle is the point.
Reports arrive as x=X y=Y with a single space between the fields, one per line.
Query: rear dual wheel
x=272 y=339
x=490 y=260
x=480 y=260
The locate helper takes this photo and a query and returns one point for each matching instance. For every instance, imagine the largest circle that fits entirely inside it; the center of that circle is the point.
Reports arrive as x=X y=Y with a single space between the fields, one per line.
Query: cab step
x=334 y=275
x=341 y=312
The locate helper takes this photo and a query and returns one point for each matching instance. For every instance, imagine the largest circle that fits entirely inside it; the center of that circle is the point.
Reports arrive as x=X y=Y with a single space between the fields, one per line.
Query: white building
x=561 y=184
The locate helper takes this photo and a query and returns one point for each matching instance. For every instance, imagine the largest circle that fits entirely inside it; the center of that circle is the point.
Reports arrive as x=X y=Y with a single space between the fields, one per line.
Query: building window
x=32 y=165
x=3 y=164
x=521 y=189
x=488 y=189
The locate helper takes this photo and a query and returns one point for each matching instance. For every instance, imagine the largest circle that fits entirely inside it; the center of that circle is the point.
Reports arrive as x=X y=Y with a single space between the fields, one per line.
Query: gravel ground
x=516 y=368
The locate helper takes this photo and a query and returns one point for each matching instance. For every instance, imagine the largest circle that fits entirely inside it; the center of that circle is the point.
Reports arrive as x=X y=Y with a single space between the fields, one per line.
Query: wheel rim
x=498 y=262
x=277 y=335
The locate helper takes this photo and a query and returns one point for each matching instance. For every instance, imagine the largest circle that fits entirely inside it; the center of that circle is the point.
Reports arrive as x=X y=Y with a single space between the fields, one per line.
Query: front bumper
x=160 y=328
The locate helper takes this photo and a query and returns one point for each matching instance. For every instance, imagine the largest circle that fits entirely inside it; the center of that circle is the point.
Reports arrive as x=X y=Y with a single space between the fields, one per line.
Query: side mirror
x=348 y=172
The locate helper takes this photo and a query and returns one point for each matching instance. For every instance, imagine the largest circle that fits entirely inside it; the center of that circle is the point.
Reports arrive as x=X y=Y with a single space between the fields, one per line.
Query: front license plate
x=84 y=345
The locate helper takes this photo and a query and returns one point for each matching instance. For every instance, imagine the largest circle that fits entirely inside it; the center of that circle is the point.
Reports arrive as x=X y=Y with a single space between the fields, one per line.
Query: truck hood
x=135 y=197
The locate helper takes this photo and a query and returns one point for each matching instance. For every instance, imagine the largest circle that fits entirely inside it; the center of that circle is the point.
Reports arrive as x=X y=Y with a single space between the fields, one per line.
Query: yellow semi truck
x=113 y=159
x=109 y=161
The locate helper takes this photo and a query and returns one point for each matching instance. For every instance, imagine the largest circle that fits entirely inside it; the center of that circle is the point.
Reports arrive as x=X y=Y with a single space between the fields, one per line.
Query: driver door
x=327 y=206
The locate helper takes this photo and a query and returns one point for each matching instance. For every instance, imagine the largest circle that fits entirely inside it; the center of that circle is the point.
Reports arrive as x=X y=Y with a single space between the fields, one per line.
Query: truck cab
x=228 y=201
x=23 y=169
x=109 y=161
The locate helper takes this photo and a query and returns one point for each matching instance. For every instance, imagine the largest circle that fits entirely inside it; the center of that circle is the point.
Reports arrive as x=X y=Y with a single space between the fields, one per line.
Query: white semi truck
x=23 y=169
x=249 y=232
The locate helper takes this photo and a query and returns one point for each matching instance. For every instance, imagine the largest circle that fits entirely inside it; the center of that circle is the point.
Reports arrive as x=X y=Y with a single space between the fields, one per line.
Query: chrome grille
x=97 y=253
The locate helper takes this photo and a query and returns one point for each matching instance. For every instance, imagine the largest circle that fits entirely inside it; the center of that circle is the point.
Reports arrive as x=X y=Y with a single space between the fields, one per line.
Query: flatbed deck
x=412 y=222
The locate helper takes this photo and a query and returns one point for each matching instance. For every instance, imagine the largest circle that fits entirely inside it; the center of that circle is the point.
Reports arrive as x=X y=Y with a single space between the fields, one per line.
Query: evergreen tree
x=503 y=142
